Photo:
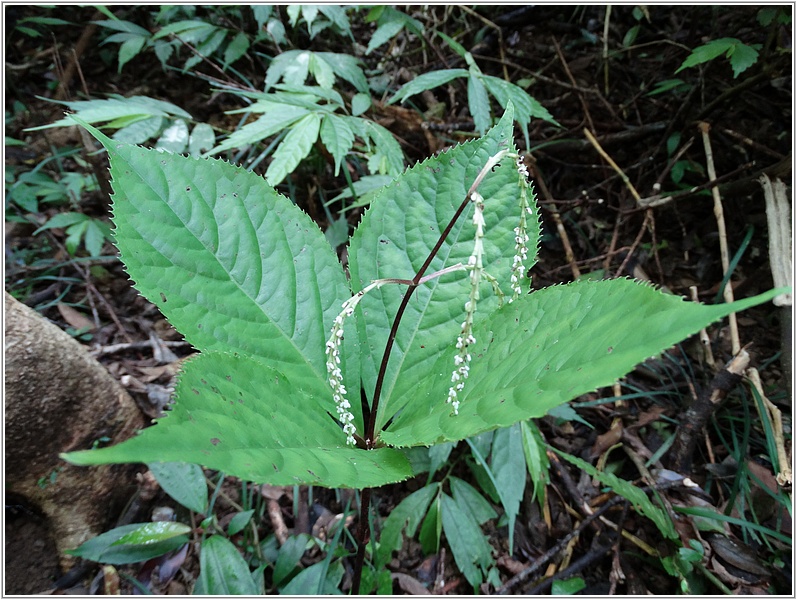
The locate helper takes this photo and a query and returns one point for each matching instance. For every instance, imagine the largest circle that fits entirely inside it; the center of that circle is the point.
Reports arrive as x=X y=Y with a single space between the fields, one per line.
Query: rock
x=57 y=399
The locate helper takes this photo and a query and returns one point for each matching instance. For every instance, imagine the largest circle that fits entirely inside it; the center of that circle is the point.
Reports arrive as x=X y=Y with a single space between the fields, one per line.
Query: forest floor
x=599 y=220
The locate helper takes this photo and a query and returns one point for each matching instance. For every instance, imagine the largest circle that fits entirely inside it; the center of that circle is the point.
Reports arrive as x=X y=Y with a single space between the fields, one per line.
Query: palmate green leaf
x=549 y=347
x=384 y=32
x=233 y=265
x=243 y=417
x=236 y=49
x=395 y=237
x=386 y=154
x=526 y=107
x=346 y=67
x=293 y=148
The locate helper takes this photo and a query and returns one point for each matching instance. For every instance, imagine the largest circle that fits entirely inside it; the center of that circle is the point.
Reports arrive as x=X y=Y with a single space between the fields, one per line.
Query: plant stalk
x=370 y=428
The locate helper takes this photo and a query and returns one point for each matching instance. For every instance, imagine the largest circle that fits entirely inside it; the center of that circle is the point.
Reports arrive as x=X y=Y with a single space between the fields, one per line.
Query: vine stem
x=370 y=430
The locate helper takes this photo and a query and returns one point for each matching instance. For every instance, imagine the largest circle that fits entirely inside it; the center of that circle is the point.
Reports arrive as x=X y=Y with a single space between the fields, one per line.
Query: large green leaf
x=232 y=264
x=549 y=347
x=240 y=416
x=238 y=269
x=395 y=237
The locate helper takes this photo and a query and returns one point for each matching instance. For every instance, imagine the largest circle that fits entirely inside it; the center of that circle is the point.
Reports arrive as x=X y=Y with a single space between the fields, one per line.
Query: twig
x=774 y=416
x=551 y=207
x=704 y=339
x=91 y=288
x=556 y=548
x=492 y=25
x=606 y=21
x=659 y=200
x=779 y=228
x=572 y=79
x=608 y=159
x=586 y=560
x=727 y=293
x=753 y=144
x=142 y=345
x=277 y=522
x=62 y=93
x=637 y=240
x=694 y=418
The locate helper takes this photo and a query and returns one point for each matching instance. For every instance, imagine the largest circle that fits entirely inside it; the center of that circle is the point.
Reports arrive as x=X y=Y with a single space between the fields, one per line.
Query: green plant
x=302 y=115
x=740 y=55
x=479 y=86
x=390 y=22
x=179 y=28
x=26 y=190
x=140 y=118
x=253 y=284
x=227 y=554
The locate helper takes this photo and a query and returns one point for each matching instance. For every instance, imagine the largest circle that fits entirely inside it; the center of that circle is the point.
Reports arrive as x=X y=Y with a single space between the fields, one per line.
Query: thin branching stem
x=370 y=433
x=370 y=429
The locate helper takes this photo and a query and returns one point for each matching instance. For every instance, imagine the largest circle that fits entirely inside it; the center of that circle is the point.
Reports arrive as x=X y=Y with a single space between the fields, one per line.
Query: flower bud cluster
x=475 y=264
x=334 y=373
x=521 y=236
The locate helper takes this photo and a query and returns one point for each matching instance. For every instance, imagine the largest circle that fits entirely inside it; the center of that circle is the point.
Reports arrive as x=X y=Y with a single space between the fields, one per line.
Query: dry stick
x=659 y=200
x=727 y=293
x=596 y=144
x=780 y=261
x=492 y=25
x=572 y=79
x=775 y=418
x=692 y=421
x=704 y=339
x=591 y=556
x=560 y=228
x=647 y=223
x=556 y=548
x=605 y=57
x=637 y=241
x=92 y=288
x=753 y=144
x=62 y=93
